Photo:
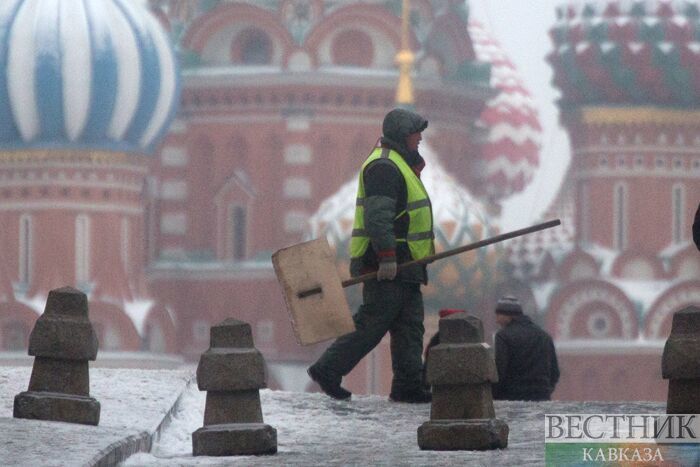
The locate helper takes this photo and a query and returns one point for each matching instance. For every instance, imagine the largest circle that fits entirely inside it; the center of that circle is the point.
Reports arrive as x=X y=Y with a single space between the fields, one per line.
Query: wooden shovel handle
x=461 y=249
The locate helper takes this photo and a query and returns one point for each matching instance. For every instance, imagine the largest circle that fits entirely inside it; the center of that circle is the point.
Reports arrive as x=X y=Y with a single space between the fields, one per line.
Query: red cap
x=449 y=311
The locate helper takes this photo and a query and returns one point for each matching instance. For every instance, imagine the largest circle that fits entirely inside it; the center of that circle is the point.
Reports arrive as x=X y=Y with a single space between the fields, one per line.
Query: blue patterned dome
x=95 y=74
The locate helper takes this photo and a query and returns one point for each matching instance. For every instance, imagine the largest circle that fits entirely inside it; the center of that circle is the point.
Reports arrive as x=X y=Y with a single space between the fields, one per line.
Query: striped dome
x=84 y=75
x=510 y=154
x=642 y=52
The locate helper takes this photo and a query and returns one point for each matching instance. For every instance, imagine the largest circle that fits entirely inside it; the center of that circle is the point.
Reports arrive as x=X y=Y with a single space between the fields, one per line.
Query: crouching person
x=525 y=356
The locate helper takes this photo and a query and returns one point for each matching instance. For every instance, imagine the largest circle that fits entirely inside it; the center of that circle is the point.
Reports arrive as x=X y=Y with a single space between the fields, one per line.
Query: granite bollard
x=680 y=363
x=232 y=372
x=62 y=342
x=460 y=370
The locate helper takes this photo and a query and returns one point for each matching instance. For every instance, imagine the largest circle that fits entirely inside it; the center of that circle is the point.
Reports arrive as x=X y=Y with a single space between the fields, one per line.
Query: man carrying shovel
x=393 y=225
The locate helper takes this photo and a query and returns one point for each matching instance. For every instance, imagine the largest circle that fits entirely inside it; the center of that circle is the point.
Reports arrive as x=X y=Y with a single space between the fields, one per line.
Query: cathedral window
x=678 y=222
x=620 y=216
x=252 y=47
x=173 y=223
x=82 y=249
x=585 y=218
x=238 y=218
x=174 y=190
x=599 y=324
x=25 y=249
x=125 y=234
x=297 y=154
x=297 y=188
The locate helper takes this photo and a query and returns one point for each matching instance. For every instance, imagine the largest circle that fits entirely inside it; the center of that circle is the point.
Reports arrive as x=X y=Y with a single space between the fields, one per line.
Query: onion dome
x=84 y=75
x=459 y=219
x=534 y=256
x=510 y=153
x=627 y=52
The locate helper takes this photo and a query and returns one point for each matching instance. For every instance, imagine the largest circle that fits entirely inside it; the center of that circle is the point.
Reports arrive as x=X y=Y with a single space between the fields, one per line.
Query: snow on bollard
x=232 y=372
x=62 y=342
x=680 y=363
x=461 y=369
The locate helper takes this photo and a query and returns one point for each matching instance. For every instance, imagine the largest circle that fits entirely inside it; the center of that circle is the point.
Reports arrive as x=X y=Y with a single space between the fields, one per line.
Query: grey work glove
x=386 y=271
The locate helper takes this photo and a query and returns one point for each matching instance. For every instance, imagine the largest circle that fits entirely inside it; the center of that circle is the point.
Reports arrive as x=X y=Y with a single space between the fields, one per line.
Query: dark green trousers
x=388 y=306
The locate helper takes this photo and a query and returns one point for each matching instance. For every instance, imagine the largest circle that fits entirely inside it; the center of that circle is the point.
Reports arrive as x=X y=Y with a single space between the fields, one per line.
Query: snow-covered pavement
x=311 y=428
x=134 y=403
x=369 y=431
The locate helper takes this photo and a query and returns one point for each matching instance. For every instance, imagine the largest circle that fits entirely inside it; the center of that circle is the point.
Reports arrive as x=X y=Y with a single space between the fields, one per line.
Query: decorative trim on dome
x=65 y=155
x=638 y=115
x=627 y=52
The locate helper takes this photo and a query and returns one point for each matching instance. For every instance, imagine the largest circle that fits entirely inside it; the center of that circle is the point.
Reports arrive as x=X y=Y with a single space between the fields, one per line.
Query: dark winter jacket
x=526 y=362
x=385 y=198
x=696 y=228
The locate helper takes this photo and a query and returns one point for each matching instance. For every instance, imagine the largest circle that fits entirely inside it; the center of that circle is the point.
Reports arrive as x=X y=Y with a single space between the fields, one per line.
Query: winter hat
x=509 y=306
x=450 y=311
x=400 y=123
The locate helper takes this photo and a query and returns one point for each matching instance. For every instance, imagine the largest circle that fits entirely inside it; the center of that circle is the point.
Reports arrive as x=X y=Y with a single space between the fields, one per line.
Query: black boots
x=330 y=386
x=413 y=396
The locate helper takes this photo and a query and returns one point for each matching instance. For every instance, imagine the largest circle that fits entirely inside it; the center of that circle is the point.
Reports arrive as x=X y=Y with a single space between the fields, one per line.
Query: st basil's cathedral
x=160 y=171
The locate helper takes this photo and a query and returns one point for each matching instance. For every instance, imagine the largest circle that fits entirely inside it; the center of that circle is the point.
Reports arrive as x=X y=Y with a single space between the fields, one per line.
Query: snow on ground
x=133 y=402
x=313 y=429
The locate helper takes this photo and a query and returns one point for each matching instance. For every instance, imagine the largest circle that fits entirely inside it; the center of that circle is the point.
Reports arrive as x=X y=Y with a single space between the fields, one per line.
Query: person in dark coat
x=388 y=230
x=696 y=228
x=525 y=356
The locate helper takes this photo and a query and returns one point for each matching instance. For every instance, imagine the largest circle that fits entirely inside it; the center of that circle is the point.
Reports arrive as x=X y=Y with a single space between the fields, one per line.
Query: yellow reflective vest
x=420 y=226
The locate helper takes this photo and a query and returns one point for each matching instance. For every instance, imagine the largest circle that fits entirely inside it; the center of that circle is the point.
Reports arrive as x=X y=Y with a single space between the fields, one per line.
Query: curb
x=119 y=451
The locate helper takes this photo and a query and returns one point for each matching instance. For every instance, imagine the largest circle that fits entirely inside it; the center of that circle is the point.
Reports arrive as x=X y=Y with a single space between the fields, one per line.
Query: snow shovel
x=313 y=290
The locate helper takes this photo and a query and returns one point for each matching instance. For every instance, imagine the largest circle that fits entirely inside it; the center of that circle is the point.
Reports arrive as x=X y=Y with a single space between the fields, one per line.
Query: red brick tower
x=629 y=76
x=81 y=107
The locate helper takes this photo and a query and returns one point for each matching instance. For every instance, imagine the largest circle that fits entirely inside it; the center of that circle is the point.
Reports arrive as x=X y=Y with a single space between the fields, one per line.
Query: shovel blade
x=319 y=316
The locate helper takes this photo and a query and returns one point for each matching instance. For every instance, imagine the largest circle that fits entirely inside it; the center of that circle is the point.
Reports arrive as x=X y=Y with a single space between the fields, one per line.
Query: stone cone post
x=680 y=363
x=232 y=372
x=62 y=342
x=461 y=369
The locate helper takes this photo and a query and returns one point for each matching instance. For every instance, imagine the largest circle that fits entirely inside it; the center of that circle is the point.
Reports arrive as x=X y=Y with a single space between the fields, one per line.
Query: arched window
x=82 y=249
x=585 y=217
x=125 y=234
x=25 y=249
x=252 y=47
x=238 y=222
x=352 y=48
x=620 y=209
x=678 y=213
